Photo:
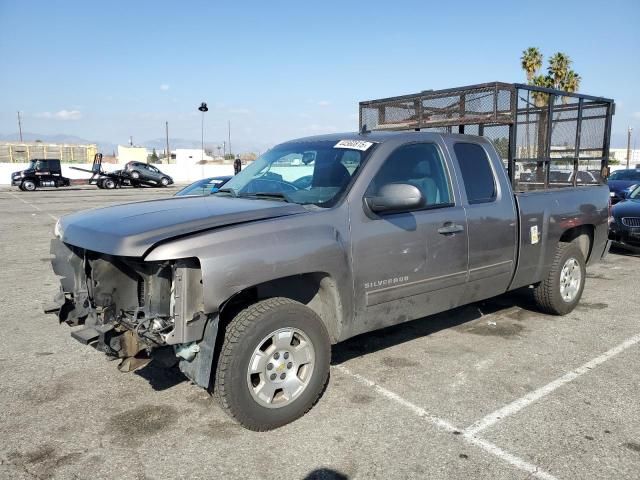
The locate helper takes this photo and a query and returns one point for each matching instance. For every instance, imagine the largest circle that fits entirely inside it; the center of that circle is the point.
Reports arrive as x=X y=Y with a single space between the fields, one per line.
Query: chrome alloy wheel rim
x=280 y=367
x=570 y=279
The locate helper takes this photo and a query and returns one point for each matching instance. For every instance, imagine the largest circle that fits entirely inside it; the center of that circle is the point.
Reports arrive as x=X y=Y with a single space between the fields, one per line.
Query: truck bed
x=553 y=212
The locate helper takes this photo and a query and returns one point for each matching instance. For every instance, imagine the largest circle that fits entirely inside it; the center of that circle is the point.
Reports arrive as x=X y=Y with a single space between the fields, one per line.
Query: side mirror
x=395 y=197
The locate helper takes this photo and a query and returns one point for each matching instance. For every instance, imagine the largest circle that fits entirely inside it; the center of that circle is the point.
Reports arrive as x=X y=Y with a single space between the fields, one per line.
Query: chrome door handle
x=450 y=228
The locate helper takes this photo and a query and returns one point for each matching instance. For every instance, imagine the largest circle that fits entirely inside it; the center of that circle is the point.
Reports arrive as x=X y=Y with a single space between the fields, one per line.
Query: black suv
x=41 y=173
x=147 y=173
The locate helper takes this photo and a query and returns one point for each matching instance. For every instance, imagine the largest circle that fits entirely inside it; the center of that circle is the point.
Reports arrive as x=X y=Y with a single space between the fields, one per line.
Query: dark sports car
x=625 y=227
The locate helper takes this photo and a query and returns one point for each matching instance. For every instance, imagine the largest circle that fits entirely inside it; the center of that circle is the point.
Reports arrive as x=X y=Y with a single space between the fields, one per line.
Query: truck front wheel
x=273 y=365
x=560 y=292
x=28 y=185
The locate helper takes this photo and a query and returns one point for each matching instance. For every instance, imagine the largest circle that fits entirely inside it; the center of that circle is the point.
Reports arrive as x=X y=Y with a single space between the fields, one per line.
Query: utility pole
x=166 y=131
x=20 y=126
x=629 y=146
x=230 y=152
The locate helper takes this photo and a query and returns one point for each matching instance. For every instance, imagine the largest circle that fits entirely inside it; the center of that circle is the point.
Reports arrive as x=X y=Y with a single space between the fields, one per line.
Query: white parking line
x=32 y=205
x=448 y=427
x=535 y=395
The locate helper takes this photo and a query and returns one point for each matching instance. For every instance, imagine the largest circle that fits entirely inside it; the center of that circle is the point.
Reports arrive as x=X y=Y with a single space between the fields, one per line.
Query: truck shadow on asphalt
x=512 y=308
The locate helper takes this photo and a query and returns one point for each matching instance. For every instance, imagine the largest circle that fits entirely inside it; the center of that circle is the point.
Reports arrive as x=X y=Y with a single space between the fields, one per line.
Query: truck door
x=42 y=172
x=491 y=218
x=408 y=264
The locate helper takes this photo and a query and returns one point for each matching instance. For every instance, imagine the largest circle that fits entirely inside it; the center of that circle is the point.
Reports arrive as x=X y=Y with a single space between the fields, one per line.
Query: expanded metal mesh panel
x=490 y=103
x=560 y=139
x=472 y=129
x=499 y=136
x=564 y=127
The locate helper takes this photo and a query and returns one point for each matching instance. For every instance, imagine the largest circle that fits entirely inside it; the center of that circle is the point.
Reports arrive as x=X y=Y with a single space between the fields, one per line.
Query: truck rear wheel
x=108 y=183
x=560 y=292
x=273 y=365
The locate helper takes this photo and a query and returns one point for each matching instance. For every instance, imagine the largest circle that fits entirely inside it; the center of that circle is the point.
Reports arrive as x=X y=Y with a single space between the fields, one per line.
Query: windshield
x=635 y=193
x=625 y=175
x=299 y=172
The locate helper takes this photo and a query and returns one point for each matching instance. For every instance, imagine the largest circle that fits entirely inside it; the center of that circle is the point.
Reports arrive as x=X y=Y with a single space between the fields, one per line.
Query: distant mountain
x=239 y=146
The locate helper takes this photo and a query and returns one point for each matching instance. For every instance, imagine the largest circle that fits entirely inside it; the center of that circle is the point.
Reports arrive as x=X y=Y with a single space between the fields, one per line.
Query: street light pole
x=203 y=108
x=629 y=146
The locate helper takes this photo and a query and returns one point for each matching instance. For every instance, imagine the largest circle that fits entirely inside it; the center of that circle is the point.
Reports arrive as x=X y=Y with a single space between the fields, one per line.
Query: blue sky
x=107 y=70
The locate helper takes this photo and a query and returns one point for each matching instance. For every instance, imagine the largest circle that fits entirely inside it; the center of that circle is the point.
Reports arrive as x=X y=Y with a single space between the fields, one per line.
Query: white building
x=190 y=156
x=620 y=154
x=132 y=154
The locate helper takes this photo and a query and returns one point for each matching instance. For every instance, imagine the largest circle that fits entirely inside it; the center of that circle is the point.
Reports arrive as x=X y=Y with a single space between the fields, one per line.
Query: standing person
x=237 y=165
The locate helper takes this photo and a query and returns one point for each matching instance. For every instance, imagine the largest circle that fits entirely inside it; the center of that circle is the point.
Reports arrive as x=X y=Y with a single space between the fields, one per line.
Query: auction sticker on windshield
x=353 y=144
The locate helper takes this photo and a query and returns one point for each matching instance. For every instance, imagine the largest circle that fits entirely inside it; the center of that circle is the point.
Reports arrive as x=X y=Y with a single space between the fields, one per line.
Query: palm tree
x=571 y=82
x=531 y=62
x=542 y=81
x=558 y=68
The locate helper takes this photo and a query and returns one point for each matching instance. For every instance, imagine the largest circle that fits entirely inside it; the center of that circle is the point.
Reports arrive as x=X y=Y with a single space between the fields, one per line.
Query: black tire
x=547 y=294
x=164 y=181
x=21 y=187
x=109 y=183
x=243 y=335
x=28 y=185
x=100 y=183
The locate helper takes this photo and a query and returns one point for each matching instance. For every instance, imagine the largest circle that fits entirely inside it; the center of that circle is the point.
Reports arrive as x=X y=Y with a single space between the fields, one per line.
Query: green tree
x=153 y=158
x=531 y=62
x=558 y=69
x=571 y=82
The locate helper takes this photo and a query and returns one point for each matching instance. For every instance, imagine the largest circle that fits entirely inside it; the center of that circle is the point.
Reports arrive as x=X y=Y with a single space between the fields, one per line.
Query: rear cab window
x=477 y=173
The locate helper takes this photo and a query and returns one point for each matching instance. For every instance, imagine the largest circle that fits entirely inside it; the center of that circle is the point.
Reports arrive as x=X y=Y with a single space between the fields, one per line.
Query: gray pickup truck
x=320 y=239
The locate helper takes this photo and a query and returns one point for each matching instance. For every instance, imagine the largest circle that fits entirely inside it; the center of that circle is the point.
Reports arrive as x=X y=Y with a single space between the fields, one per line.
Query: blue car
x=206 y=186
x=624 y=229
x=621 y=182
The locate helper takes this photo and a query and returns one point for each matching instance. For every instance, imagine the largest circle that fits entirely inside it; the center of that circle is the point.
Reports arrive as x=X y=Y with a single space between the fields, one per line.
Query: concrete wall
x=179 y=173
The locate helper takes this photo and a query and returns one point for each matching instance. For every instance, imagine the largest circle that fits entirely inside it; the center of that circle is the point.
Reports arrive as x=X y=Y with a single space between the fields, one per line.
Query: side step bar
x=85 y=335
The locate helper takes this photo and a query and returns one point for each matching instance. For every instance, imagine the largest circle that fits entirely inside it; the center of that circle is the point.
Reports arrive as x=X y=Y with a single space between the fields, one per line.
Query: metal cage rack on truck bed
x=547 y=138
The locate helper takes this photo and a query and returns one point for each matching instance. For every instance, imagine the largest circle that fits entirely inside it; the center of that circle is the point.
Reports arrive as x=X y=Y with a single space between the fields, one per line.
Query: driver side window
x=420 y=165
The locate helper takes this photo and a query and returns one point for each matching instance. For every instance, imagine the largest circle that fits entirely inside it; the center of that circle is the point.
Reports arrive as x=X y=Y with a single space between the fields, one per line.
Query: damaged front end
x=136 y=310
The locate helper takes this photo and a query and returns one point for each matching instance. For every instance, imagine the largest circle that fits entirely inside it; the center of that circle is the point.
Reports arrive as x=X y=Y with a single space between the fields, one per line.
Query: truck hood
x=132 y=229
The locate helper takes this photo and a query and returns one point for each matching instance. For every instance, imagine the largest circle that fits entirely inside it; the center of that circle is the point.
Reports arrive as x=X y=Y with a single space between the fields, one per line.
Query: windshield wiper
x=276 y=195
x=227 y=190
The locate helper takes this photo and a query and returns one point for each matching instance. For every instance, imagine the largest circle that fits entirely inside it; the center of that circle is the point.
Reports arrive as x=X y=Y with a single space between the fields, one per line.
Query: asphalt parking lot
x=494 y=390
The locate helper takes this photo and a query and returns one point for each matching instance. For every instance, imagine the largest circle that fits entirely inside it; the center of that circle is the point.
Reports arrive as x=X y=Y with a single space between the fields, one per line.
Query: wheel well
x=582 y=236
x=316 y=290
